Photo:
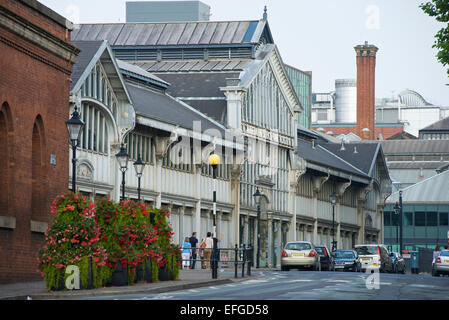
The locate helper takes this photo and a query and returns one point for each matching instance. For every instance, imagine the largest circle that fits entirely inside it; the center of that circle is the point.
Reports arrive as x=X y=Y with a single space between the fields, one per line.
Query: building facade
x=302 y=84
x=36 y=63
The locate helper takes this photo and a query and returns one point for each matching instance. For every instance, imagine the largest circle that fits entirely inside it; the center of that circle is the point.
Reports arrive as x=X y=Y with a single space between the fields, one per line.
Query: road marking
x=213 y=288
x=254 y=281
x=342 y=281
x=422 y=286
x=301 y=280
x=230 y=285
x=193 y=290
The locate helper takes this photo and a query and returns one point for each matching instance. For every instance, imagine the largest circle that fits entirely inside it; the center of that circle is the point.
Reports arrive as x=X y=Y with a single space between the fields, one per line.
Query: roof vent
x=342 y=147
x=313 y=144
x=355 y=150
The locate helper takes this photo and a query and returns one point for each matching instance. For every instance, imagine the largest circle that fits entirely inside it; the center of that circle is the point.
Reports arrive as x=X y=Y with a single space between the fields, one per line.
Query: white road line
x=193 y=290
x=301 y=280
x=422 y=286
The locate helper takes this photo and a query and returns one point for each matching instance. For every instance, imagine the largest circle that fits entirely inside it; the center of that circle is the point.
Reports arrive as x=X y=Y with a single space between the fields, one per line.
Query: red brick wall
x=33 y=83
x=365 y=96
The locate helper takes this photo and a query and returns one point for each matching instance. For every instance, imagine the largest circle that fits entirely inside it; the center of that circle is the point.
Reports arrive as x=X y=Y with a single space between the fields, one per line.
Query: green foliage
x=440 y=10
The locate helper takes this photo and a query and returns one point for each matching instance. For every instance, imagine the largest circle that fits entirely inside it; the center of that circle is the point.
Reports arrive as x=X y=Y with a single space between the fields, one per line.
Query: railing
x=225 y=257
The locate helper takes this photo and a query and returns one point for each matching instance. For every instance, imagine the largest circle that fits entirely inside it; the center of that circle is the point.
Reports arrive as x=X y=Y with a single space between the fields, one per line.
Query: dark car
x=326 y=260
x=398 y=262
x=346 y=260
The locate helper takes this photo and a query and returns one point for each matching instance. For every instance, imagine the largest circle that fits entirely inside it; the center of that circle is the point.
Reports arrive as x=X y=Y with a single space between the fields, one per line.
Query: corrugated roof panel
x=155 y=34
x=208 y=33
x=209 y=65
x=221 y=65
x=230 y=32
x=198 y=66
x=232 y=65
x=198 y=33
x=177 y=66
x=136 y=35
x=219 y=32
x=127 y=30
x=241 y=65
x=166 y=66
x=80 y=31
x=146 y=34
x=241 y=31
x=250 y=31
x=187 y=33
x=166 y=33
x=156 y=66
x=188 y=66
x=93 y=32
x=110 y=32
x=176 y=33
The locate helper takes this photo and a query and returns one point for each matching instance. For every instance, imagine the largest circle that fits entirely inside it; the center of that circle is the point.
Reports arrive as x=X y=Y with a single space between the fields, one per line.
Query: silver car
x=440 y=264
x=297 y=254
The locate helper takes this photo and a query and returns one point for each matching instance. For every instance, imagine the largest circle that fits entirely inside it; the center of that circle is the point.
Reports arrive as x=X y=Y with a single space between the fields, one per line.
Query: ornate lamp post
x=74 y=127
x=257 y=195
x=139 y=165
x=397 y=210
x=122 y=159
x=214 y=161
x=333 y=199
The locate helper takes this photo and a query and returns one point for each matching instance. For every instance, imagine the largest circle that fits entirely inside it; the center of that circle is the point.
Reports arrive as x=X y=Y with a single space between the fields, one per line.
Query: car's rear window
x=444 y=253
x=298 y=246
x=366 y=250
x=344 y=254
x=321 y=251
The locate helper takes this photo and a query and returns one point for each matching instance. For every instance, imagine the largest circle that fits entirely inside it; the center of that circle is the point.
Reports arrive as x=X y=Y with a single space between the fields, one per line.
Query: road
x=311 y=285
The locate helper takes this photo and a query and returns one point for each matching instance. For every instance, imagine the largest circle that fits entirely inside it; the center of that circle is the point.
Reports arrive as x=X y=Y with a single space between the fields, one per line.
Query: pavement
x=188 y=279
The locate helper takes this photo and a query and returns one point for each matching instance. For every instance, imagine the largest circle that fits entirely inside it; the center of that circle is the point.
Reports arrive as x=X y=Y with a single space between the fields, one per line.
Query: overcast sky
x=319 y=36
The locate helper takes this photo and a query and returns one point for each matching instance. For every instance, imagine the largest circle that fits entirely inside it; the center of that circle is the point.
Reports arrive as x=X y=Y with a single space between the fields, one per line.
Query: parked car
x=346 y=260
x=298 y=254
x=398 y=263
x=326 y=260
x=440 y=264
x=375 y=256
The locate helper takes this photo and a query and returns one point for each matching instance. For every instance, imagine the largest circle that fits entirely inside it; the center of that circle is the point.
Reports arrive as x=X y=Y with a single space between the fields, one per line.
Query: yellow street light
x=214 y=160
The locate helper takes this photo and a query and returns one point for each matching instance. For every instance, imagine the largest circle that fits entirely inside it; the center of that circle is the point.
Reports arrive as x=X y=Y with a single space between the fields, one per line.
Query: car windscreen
x=298 y=246
x=366 y=250
x=344 y=254
x=444 y=253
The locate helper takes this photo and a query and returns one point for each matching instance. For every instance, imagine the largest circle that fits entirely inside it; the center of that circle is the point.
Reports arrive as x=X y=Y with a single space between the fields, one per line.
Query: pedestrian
x=186 y=252
x=208 y=249
x=201 y=250
x=194 y=243
x=436 y=252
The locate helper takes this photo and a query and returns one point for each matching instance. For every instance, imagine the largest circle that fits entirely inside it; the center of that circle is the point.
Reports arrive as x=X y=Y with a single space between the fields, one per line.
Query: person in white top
x=209 y=241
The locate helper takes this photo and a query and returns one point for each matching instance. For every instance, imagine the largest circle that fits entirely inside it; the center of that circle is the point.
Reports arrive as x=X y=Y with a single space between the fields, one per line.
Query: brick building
x=36 y=60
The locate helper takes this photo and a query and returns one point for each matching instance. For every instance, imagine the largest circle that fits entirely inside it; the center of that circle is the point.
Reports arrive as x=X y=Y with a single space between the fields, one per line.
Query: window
x=420 y=218
x=138 y=144
x=408 y=219
x=395 y=219
x=443 y=219
x=387 y=218
x=94 y=136
x=432 y=219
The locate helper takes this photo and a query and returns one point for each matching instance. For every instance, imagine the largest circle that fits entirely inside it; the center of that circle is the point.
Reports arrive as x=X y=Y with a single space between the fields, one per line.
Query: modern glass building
x=425 y=215
x=302 y=84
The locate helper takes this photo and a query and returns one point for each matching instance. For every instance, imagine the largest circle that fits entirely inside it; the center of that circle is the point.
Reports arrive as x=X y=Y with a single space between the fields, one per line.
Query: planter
x=119 y=277
x=139 y=273
x=61 y=283
x=148 y=271
x=165 y=274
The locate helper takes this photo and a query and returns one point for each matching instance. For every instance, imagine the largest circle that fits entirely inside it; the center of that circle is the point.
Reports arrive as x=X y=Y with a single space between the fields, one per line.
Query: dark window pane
x=408 y=219
x=432 y=219
x=394 y=219
x=420 y=218
x=443 y=219
x=387 y=218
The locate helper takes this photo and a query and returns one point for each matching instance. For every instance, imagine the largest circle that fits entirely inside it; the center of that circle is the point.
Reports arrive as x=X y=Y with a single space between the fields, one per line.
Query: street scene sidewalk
x=188 y=279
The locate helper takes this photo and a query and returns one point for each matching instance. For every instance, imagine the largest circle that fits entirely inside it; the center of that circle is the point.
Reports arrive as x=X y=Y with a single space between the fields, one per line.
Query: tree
x=440 y=10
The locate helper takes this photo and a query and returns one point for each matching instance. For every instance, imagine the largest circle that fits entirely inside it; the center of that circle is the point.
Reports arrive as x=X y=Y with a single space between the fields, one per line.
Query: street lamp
x=333 y=199
x=214 y=161
x=139 y=165
x=74 y=127
x=397 y=210
x=401 y=214
x=257 y=195
x=122 y=159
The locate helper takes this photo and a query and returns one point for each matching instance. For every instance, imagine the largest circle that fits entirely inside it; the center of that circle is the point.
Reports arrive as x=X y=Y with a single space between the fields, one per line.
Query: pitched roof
x=88 y=50
x=137 y=71
x=324 y=157
x=403 y=135
x=442 y=125
x=159 y=106
x=414 y=146
x=363 y=159
x=194 y=65
x=432 y=190
x=173 y=33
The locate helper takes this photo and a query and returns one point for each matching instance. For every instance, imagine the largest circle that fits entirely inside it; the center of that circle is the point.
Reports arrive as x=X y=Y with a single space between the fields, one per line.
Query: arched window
x=5 y=160
x=38 y=174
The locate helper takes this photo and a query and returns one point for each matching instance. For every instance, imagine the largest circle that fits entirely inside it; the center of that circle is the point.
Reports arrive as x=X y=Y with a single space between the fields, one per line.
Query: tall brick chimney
x=366 y=64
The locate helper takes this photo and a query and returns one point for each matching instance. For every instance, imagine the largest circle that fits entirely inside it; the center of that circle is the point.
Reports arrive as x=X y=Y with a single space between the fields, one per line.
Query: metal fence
x=237 y=257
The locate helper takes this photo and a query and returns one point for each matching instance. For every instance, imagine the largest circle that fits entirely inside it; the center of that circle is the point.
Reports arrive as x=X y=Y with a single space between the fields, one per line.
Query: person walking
x=186 y=252
x=208 y=249
x=194 y=243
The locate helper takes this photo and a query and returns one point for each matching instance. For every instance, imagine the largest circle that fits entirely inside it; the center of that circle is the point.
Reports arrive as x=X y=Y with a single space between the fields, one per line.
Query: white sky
x=319 y=36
